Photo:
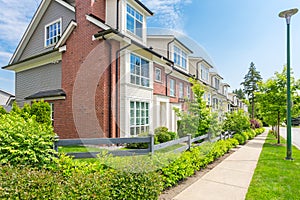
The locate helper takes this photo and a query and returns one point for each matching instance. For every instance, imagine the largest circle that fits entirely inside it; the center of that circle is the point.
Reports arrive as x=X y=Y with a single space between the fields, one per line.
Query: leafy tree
x=271 y=98
x=237 y=121
x=250 y=85
x=239 y=93
x=197 y=119
x=2 y=110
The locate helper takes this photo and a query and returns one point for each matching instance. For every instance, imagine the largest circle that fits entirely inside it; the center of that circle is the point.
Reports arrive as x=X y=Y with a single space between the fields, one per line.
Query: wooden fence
x=188 y=141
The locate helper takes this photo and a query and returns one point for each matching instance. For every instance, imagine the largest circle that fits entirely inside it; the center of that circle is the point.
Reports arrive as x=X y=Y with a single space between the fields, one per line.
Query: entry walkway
x=231 y=178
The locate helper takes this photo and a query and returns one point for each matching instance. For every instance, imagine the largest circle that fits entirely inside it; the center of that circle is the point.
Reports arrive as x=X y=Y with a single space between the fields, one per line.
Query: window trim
x=181 y=90
x=157 y=68
x=206 y=70
x=173 y=90
x=188 y=91
x=45 y=32
x=135 y=19
x=145 y=117
x=140 y=76
x=180 y=56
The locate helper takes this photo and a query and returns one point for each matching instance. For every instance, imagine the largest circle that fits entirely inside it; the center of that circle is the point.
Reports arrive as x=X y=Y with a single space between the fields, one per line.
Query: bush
x=25 y=142
x=2 y=111
x=245 y=135
x=162 y=134
x=240 y=138
x=140 y=145
x=255 y=123
x=237 y=121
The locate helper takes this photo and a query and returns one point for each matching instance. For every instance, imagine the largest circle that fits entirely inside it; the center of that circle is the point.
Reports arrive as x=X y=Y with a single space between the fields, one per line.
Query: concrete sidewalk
x=231 y=178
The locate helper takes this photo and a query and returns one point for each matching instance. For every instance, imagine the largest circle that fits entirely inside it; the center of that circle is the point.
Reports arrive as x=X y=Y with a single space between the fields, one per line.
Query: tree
x=197 y=119
x=239 y=93
x=271 y=99
x=250 y=86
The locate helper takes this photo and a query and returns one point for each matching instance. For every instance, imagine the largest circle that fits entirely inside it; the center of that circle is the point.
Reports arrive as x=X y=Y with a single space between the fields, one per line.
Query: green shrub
x=245 y=135
x=162 y=134
x=237 y=121
x=140 y=145
x=2 y=111
x=259 y=130
x=25 y=142
x=240 y=138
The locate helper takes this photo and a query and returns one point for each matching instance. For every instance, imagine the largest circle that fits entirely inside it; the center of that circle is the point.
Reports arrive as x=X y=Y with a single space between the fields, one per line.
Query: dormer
x=216 y=81
x=129 y=17
x=180 y=55
x=225 y=87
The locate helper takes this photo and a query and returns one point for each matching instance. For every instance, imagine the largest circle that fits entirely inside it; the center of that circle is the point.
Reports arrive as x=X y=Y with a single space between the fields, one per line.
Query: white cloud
x=168 y=13
x=14 y=19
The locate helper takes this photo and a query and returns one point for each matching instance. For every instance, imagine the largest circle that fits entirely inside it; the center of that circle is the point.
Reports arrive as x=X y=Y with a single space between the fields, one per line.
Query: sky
x=234 y=33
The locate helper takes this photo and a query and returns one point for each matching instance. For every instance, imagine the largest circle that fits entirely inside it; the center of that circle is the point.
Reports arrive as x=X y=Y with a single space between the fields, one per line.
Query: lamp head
x=287 y=14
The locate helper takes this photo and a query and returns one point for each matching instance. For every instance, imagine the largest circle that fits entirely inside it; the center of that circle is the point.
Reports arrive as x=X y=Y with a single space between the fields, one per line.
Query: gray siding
x=55 y=11
x=47 y=77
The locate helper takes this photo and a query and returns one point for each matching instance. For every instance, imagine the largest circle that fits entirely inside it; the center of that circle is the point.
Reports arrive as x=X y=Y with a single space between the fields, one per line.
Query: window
x=139 y=117
x=158 y=74
x=134 y=21
x=139 y=71
x=52 y=112
x=180 y=90
x=217 y=83
x=208 y=99
x=172 y=87
x=204 y=73
x=180 y=58
x=215 y=103
x=52 y=33
x=188 y=92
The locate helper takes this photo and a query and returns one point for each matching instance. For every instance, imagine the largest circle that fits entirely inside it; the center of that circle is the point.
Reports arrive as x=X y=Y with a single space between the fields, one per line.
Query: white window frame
x=188 y=91
x=172 y=88
x=139 y=117
x=209 y=99
x=204 y=73
x=135 y=15
x=180 y=57
x=156 y=70
x=52 y=112
x=217 y=83
x=137 y=75
x=181 y=90
x=46 y=45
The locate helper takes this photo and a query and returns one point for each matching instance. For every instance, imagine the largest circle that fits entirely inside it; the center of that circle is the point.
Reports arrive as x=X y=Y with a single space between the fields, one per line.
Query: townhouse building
x=102 y=74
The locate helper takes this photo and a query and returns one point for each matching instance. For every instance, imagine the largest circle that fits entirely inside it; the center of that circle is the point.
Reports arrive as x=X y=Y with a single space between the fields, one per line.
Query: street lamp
x=287 y=14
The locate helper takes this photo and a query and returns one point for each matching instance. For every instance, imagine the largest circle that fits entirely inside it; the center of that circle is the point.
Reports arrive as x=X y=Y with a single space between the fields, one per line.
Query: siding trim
x=65 y=35
x=70 y=7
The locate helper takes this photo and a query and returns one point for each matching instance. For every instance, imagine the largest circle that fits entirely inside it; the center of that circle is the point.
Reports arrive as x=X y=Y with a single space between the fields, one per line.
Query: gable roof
x=33 y=24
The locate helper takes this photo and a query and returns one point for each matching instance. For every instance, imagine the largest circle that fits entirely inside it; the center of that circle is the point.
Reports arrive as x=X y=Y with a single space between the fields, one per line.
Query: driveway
x=295 y=135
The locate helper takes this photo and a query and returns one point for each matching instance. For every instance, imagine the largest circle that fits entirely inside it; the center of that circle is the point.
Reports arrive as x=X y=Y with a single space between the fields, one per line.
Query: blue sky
x=233 y=32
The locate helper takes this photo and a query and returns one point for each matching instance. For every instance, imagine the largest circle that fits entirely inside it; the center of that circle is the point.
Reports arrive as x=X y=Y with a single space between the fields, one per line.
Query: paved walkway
x=231 y=178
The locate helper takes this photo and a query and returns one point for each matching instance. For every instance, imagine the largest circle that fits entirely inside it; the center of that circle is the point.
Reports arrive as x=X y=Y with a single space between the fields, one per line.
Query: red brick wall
x=159 y=87
x=86 y=79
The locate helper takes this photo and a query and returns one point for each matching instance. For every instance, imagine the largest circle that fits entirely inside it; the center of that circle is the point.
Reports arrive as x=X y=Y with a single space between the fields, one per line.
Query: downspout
x=167 y=80
x=118 y=1
x=117 y=88
x=110 y=88
x=168 y=48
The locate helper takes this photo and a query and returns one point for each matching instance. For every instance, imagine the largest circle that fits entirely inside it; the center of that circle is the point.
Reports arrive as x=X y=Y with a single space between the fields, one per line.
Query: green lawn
x=275 y=177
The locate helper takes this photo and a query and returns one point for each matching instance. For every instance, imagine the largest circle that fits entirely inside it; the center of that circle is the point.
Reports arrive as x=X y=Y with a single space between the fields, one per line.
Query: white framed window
x=52 y=112
x=157 y=74
x=181 y=90
x=209 y=99
x=134 y=21
x=172 y=87
x=180 y=57
x=217 y=83
x=52 y=33
x=204 y=73
x=188 y=91
x=139 y=71
x=139 y=117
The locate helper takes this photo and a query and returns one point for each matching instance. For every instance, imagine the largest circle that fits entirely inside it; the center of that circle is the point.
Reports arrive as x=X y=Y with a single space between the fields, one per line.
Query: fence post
x=209 y=136
x=189 y=141
x=55 y=147
x=151 y=143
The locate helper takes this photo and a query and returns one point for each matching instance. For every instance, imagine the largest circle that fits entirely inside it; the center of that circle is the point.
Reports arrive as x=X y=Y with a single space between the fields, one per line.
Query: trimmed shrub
x=164 y=135
x=240 y=138
x=237 y=121
x=245 y=135
x=25 y=142
x=255 y=123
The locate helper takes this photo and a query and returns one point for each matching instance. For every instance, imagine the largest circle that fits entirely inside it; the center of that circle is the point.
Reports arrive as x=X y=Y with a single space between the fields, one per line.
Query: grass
x=275 y=177
x=72 y=149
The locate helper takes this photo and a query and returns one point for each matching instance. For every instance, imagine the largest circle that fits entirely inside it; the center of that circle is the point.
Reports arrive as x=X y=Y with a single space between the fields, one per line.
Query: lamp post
x=287 y=14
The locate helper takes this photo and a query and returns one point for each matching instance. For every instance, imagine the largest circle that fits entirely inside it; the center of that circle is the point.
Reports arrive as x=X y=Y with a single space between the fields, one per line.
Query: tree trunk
x=278 y=127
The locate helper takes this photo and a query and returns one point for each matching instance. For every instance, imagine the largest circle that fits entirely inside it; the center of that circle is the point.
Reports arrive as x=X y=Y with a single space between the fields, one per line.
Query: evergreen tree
x=250 y=85
x=239 y=93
